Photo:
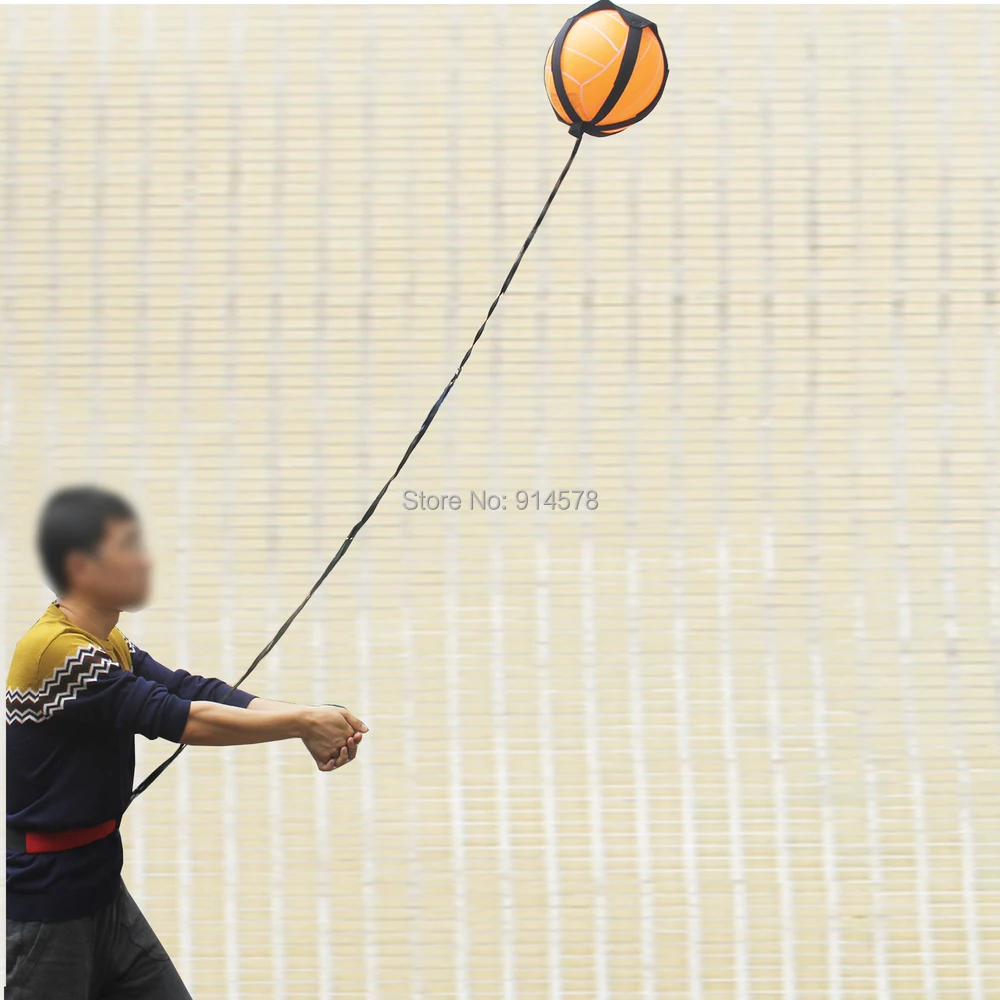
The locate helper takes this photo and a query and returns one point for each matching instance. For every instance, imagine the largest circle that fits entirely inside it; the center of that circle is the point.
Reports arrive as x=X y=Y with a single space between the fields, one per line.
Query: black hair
x=75 y=519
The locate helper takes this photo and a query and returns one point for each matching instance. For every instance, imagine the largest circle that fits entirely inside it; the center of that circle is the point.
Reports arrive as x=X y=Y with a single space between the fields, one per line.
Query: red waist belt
x=57 y=840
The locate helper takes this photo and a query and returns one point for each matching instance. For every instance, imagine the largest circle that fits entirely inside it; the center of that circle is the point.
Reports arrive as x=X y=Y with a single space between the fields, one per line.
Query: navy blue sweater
x=74 y=705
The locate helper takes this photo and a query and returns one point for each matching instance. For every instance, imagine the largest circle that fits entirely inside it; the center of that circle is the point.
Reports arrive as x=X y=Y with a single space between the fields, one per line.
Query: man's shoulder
x=121 y=641
x=51 y=643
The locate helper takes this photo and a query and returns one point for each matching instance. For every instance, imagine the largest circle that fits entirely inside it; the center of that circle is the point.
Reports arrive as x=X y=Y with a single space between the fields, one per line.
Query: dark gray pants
x=111 y=954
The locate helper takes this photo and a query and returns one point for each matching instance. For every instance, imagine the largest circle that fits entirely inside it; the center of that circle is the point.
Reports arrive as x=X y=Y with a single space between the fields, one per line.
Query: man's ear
x=75 y=566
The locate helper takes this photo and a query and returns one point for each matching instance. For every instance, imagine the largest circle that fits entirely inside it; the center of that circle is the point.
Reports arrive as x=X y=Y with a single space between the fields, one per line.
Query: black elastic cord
x=432 y=413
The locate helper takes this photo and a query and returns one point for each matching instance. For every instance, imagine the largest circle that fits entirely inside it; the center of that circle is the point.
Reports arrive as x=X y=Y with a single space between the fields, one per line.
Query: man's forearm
x=210 y=724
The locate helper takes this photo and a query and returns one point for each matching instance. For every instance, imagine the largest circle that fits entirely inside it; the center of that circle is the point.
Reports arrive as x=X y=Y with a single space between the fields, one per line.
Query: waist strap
x=27 y=842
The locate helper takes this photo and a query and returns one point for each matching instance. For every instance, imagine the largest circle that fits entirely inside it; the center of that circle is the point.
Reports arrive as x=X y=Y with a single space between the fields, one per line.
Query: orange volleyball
x=605 y=70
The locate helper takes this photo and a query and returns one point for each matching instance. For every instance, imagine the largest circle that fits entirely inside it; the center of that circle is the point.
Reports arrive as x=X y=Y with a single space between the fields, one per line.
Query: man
x=77 y=693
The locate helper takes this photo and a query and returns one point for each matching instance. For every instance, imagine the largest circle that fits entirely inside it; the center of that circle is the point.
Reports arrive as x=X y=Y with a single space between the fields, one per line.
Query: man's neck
x=96 y=620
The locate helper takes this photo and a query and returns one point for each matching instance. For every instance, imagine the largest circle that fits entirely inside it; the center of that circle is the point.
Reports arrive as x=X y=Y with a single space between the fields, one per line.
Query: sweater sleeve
x=78 y=681
x=183 y=684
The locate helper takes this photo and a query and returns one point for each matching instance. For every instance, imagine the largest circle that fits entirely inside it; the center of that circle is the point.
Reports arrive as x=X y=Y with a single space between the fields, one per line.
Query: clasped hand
x=332 y=735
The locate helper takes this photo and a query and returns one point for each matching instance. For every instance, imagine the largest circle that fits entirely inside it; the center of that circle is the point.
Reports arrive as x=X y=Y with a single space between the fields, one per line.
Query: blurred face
x=116 y=575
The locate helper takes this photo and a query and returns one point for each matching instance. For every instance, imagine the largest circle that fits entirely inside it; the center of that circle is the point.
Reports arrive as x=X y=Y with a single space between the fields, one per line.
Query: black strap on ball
x=432 y=413
x=636 y=23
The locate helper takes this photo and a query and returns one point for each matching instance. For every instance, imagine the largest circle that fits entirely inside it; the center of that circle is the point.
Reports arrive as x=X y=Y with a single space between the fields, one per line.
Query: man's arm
x=79 y=682
x=330 y=734
x=192 y=687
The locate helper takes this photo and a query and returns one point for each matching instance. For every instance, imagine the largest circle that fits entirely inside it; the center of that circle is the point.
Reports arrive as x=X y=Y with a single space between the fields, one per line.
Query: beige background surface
x=733 y=734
